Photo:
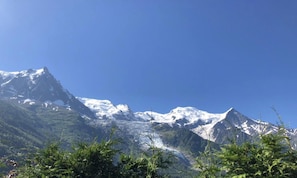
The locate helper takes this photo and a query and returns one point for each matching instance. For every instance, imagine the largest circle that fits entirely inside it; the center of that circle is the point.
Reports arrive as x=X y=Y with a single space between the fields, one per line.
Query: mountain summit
x=39 y=85
x=33 y=84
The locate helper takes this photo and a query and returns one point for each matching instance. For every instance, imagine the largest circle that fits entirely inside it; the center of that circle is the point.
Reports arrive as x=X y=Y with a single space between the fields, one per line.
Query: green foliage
x=2 y=165
x=271 y=156
x=49 y=162
x=85 y=160
x=147 y=165
x=208 y=164
x=94 y=160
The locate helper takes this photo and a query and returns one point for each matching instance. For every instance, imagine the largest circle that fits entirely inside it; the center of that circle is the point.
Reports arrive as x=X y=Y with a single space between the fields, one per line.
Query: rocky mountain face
x=183 y=131
x=39 y=85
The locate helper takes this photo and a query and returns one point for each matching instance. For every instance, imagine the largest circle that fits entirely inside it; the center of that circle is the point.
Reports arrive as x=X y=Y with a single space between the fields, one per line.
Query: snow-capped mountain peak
x=104 y=109
x=183 y=116
x=31 y=75
x=38 y=85
x=194 y=115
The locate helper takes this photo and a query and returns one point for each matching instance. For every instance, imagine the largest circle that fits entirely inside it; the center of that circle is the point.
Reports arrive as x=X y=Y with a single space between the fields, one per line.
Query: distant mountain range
x=35 y=108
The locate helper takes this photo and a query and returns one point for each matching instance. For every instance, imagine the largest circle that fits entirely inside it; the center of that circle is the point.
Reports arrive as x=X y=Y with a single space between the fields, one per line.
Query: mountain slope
x=41 y=86
x=198 y=121
x=218 y=128
x=36 y=108
x=25 y=127
x=41 y=110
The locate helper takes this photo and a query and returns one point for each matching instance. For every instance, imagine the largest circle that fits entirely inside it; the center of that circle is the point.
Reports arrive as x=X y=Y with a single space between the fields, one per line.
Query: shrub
x=94 y=160
x=271 y=156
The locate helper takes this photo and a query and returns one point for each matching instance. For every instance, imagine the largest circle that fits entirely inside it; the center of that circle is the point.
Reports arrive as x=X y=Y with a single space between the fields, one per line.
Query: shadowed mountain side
x=25 y=127
x=183 y=139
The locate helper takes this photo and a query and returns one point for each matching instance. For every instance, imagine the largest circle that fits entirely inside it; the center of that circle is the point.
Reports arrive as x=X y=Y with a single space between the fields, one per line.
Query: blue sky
x=157 y=55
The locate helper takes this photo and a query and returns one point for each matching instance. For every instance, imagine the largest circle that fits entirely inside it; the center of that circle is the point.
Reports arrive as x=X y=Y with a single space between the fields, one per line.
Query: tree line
x=271 y=155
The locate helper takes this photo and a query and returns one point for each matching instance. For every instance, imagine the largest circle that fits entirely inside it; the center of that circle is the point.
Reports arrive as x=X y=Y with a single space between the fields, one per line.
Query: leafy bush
x=94 y=160
x=147 y=165
x=271 y=156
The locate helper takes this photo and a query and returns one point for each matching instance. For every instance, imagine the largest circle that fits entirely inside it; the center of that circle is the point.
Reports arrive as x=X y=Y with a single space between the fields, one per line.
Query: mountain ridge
x=40 y=85
x=39 y=89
